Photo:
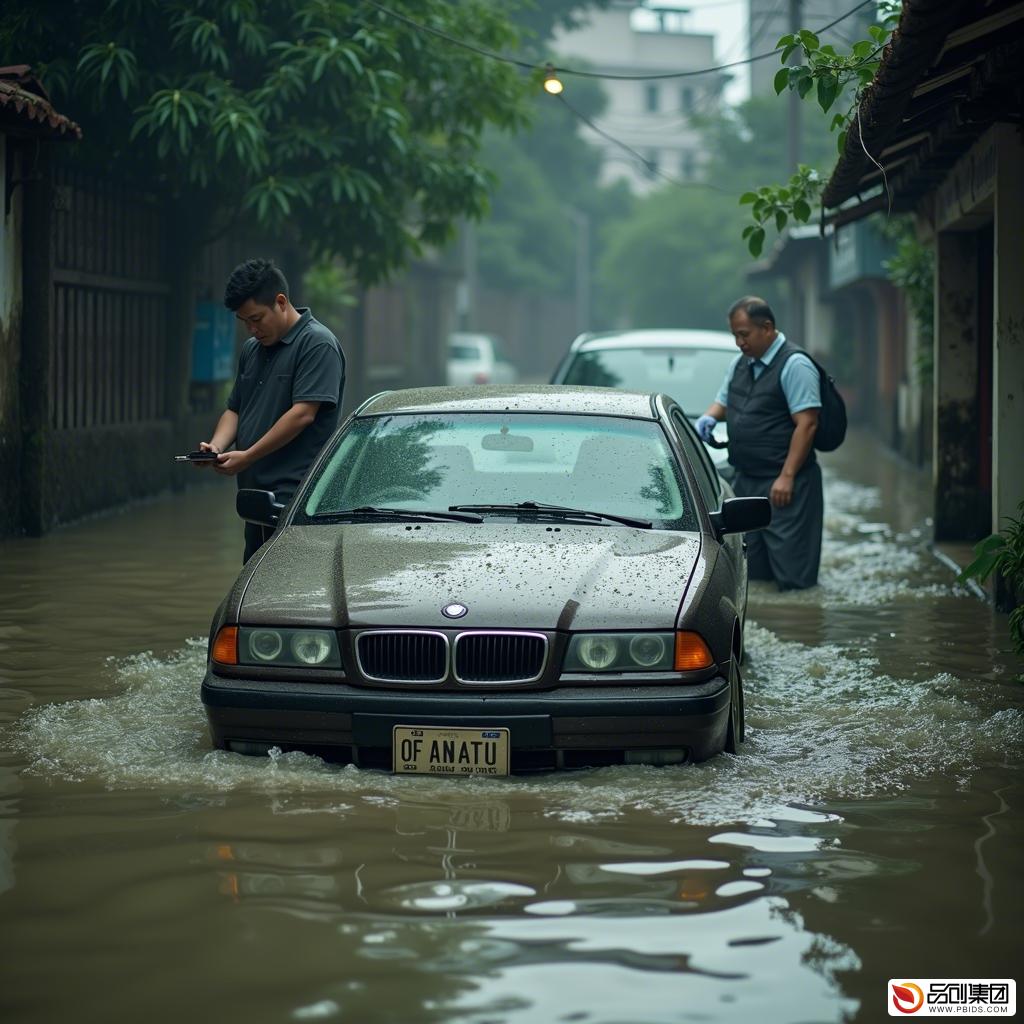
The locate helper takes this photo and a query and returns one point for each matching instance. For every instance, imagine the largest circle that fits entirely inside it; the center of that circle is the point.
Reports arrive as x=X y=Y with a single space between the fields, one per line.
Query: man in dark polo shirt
x=285 y=402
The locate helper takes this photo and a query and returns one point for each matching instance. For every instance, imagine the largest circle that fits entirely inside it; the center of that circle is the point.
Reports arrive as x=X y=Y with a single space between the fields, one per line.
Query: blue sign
x=213 y=343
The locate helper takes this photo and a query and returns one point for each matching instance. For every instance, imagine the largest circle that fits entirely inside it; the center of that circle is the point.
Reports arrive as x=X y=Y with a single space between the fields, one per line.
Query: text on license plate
x=417 y=750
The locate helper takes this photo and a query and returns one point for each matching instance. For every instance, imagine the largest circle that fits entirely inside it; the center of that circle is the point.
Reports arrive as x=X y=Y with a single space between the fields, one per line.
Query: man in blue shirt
x=771 y=398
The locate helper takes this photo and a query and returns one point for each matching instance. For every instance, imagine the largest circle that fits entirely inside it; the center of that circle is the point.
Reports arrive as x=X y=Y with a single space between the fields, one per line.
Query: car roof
x=461 y=337
x=544 y=398
x=666 y=337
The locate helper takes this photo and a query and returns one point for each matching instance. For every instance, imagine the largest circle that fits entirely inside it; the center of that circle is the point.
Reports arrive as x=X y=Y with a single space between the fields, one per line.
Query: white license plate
x=417 y=750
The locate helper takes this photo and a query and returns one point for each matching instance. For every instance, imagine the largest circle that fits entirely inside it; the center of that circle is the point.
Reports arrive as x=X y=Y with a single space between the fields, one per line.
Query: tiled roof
x=25 y=109
x=951 y=69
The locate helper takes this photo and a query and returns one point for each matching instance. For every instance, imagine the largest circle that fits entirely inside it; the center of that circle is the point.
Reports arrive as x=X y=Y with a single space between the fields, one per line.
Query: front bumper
x=567 y=727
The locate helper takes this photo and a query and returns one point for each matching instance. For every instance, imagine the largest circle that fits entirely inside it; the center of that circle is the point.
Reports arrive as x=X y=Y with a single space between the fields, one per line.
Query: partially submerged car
x=689 y=365
x=484 y=580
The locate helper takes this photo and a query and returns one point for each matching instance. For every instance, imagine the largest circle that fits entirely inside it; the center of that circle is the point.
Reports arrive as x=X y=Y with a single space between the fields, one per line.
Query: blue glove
x=706 y=427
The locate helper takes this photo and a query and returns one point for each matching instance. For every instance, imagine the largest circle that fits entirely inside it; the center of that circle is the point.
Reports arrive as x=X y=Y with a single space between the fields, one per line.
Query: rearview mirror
x=258 y=507
x=506 y=443
x=739 y=515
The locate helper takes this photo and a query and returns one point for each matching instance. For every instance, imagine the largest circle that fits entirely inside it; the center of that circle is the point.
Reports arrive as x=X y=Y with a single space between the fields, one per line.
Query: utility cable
x=649 y=165
x=530 y=66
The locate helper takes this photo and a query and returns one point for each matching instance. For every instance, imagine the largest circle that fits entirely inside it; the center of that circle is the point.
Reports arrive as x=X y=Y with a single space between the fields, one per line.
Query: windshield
x=600 y=464
x=692 y=376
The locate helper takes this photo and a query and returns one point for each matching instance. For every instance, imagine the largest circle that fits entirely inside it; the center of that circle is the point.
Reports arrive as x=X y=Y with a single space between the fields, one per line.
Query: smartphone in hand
x=197 y=457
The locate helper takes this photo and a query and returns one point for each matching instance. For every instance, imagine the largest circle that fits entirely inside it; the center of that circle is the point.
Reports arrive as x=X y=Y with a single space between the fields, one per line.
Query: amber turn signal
x=225 y=647
x=691 y=652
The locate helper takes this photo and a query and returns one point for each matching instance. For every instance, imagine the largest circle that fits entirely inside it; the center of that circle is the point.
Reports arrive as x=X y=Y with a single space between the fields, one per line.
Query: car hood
x=526 y=576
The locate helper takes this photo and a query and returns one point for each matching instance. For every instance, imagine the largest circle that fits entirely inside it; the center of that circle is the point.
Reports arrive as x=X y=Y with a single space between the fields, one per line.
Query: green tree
x=675 y=263
x=544 y=174
x=830 y=77
x=678 y=261
x=353 y=129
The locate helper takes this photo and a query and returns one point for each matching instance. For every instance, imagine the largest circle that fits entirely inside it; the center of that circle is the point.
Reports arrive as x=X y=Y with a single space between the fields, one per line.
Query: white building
x=652 y=116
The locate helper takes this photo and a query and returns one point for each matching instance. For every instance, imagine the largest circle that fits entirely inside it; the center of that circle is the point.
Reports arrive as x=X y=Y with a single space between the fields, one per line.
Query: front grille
x=403 y=656
x=499 y=657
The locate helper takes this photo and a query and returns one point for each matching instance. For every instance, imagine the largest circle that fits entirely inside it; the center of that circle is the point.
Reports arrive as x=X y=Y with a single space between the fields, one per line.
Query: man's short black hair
x=756 y=309
x=258 y=279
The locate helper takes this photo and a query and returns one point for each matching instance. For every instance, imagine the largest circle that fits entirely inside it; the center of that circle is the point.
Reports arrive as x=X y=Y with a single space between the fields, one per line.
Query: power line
x=529 y=66
x=649 y=165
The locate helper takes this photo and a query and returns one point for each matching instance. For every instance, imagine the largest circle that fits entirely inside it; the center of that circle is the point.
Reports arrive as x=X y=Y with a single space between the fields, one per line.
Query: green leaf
x=804 y=86
x=809 y=39
x=755 y=242
x=780 y=220
x=787 y=40
x=841 y=142
x=981 y=568
x=787 y=53
x=748 y=229
x=748 y=197
x=781 y=80
x=863 y=49
x=801 y=210
x=828 y=89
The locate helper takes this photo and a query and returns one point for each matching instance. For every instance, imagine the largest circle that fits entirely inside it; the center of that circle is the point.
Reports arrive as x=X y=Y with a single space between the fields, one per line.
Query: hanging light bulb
x=552 y=83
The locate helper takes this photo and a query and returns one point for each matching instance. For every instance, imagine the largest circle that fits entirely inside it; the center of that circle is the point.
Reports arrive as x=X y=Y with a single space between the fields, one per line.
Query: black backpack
x=831 y=430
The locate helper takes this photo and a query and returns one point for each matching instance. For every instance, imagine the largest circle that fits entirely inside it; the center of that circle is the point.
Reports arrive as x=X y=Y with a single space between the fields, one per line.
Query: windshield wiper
x=561 y=511
x=373 y=512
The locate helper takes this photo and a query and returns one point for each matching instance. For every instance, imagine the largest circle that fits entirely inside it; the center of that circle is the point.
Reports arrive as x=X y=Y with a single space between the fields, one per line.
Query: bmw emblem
x=454 y=610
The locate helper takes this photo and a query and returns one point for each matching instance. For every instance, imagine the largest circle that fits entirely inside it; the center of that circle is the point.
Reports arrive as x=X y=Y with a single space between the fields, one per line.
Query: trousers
x=787 y=551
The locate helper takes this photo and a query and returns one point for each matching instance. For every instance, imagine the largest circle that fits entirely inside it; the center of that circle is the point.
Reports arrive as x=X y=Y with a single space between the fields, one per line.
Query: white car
x=478 y=359
x=687 y=365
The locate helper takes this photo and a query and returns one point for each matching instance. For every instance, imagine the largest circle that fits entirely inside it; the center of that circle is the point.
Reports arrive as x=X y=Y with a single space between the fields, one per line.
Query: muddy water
x=872 y=829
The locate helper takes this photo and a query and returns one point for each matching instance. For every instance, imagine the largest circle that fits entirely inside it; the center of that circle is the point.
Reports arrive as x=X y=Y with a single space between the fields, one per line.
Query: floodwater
x=872 y=829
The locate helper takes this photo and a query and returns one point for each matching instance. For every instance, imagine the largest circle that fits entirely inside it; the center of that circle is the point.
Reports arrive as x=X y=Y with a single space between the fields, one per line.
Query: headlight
x=598 y=652
x=620 y=652
x=647 y=649
x=311 y=648
x=265 y=644
x=297 y=648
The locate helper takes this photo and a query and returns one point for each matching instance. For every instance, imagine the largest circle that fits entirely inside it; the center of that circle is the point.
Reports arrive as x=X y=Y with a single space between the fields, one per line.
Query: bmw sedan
x=489 y=580
x=688 y=365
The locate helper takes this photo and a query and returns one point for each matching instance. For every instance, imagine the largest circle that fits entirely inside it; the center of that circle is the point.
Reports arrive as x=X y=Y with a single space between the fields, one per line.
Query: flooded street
x=871 y=829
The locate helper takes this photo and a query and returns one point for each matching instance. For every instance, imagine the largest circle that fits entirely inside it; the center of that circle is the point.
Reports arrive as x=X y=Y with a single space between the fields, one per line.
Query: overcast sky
x=727 y=21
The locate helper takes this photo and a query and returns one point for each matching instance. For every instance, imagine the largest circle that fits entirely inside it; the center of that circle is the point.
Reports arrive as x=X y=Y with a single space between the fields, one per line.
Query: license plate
x=421 y=751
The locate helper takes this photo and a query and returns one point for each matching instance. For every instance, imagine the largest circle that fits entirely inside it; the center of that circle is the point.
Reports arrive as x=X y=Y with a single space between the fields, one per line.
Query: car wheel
x=736 y=731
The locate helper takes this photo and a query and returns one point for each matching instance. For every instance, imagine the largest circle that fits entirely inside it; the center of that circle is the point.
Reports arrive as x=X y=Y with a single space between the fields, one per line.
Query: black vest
x=760 y=424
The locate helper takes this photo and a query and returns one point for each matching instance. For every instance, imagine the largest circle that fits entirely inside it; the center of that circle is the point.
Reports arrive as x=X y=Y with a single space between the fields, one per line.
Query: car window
x=691 y=375
x=703 y=468
x=603 y=464
x=462 y=350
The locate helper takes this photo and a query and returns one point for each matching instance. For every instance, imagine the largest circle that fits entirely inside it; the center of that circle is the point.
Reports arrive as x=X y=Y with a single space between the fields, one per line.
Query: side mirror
x=259 y=507
x=738 y=515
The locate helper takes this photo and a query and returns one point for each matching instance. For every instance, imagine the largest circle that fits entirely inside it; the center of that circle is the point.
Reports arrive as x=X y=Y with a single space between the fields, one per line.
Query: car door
x=714 y=490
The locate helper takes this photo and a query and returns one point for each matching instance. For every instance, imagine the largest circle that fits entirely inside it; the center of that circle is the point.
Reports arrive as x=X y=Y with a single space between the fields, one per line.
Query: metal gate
x=110 y=305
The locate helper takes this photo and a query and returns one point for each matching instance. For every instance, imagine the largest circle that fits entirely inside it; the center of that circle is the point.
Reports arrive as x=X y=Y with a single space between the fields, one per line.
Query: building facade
x=654 y=117
x=942 y=140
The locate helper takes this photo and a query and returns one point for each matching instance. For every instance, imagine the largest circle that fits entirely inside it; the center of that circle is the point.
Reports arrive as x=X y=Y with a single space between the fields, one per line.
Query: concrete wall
x=10 y=345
